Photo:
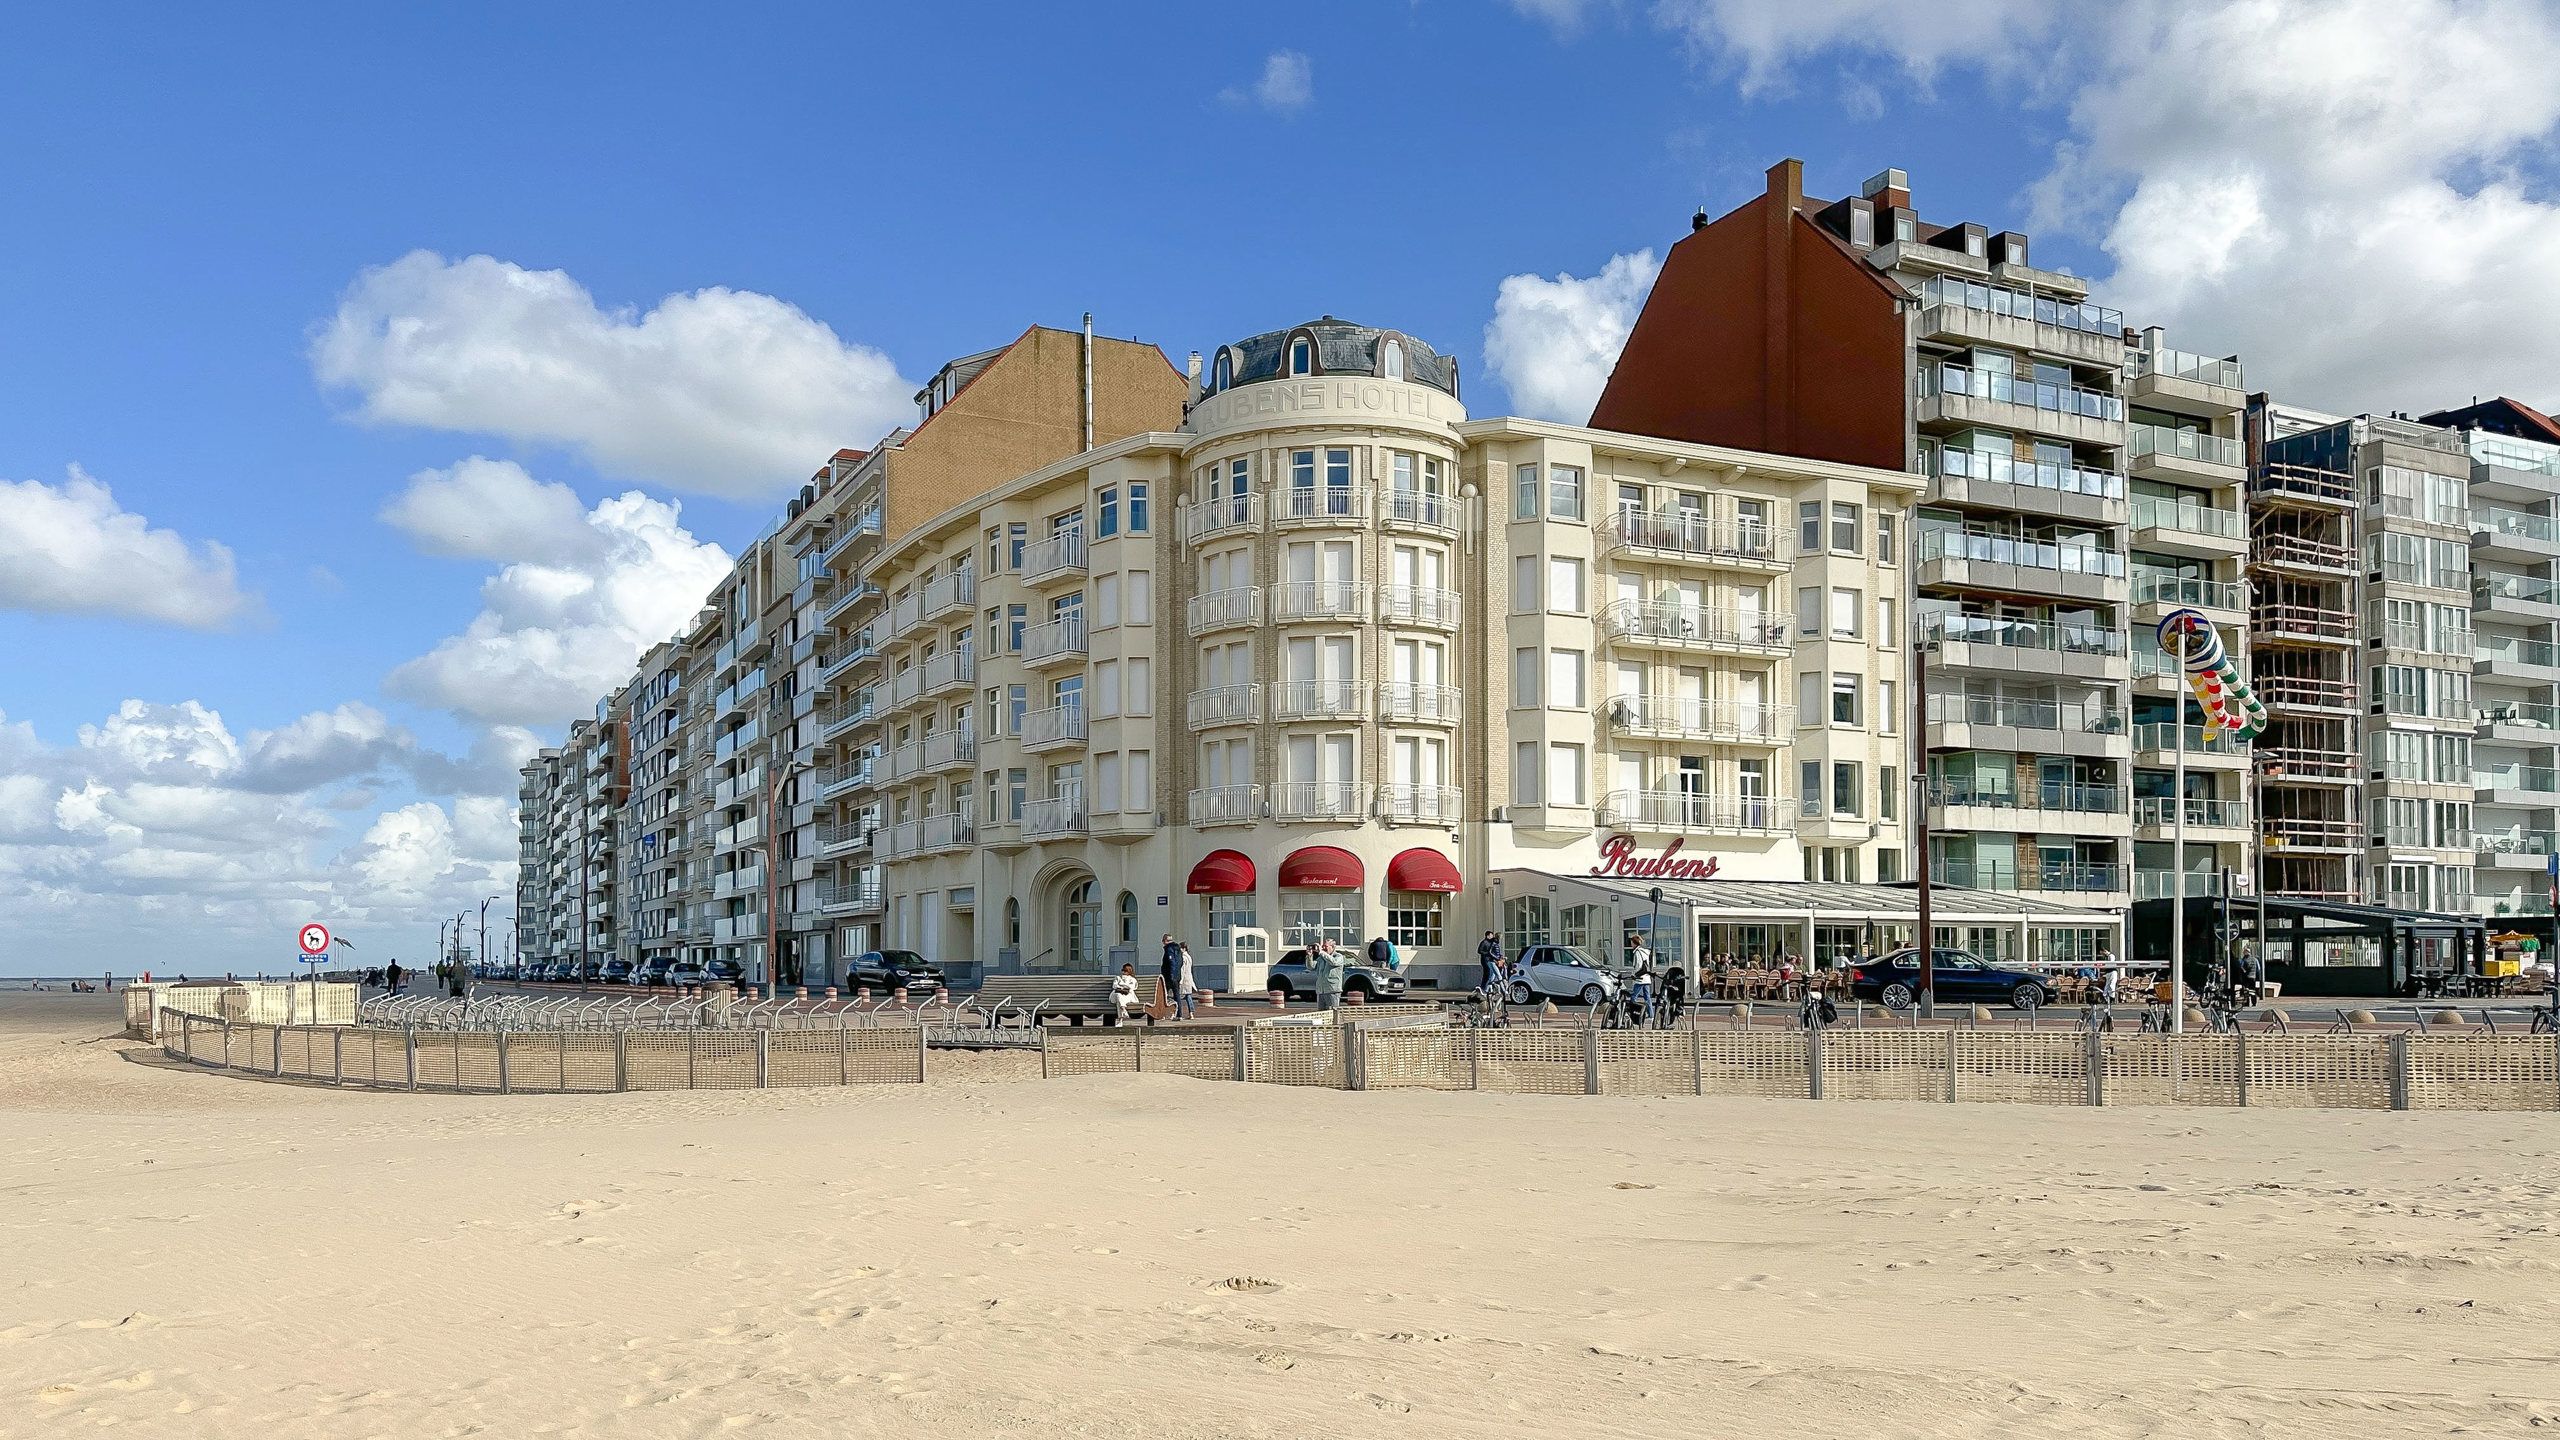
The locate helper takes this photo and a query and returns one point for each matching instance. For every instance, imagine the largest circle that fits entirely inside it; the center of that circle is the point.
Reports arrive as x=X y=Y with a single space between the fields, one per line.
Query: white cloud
x=723 y=391
x=1565 y=17
x=492 y=510
x=556 y=633
x=70 y=548
x=1287 y=84
x=2344 y=192
x=1553 y=342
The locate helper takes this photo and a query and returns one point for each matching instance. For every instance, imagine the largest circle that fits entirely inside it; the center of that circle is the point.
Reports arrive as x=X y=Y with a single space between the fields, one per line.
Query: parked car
x=1294 y=978
x=688 y=973
x=1955 y=975
x=1561 y=972
x=651 y=972
x=559 y=971
x=617 y=972
x=727 y=972
x=888 y=970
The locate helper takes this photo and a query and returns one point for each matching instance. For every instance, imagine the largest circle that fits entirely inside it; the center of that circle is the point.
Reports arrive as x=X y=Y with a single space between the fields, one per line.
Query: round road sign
x=315 y=938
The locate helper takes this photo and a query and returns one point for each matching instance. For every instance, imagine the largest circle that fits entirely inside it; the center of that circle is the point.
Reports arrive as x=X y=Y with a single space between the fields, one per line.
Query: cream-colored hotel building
x=1321 y=657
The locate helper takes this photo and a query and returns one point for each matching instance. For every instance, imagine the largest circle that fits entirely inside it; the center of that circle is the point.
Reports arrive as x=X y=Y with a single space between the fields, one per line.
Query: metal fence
x=2403 y=1071
x=560 y=1061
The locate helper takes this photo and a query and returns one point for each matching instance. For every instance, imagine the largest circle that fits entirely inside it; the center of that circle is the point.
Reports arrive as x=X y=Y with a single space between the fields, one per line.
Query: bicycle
x=1816 y=1010
x=2544 y=1022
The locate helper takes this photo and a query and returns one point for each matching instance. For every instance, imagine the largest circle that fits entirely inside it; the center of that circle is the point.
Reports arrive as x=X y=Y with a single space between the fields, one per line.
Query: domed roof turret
x=1327 y=346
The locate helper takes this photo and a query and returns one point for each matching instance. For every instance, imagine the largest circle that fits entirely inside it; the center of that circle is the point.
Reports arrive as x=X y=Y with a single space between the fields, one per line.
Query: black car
x=1955 y=975
x=652 y=972
x=888 y=970
x=726 y=972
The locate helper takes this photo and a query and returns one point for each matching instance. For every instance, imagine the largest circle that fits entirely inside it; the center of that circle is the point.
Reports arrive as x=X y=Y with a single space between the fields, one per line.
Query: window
x=1846 y=787
x=1016 y=783
x=1526 y=921
x=1808 y=698
x=1106 y=782
x=1524 y=678
x=1844 y=699
x=1564 y=586
x=1223 y=374
x=1390 y=361
x=1106 y=689
x=1307 y=916
x=1845 y=608
x=1888 y=708
x=1888 y=866
x=1524 y=773
x=1128 y=918
x=1141 y=792
x=1809 y=797
x=1844 y=527
x=1142 y=685
x=1524 y=494
x=1138 y=507
x=1564 y=679
x=1016 y=536
x=1524 y=584
x=1888 y=538
x=1106 y=602
x=1888 y=792
x=1302 y=357
x=1564 y=774
x=1414 y=922
x=1809 y=610
x=1106 y=520
x=1809 y=526
x=1564 y=492
x=995 y=548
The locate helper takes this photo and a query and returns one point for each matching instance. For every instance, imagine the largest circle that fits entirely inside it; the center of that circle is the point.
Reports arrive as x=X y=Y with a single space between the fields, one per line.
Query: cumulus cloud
x=563 y=625
x=160 y=839
x=2342 y=191
x=492 y=510
x=1553 y=341
x=1286 y=85
x=724 y=391
x=1566 y=17
x=70 y=548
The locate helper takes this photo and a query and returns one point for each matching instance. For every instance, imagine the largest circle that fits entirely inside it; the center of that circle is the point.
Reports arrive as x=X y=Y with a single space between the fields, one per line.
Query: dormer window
x=1390 y=360
x=1302 y=357
x=1223 y=374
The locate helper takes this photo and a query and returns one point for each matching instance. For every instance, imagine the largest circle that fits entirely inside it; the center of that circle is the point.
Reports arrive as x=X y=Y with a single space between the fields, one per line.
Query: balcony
x=2302 y=765
x=1402 y=703
x=1418 y=804
x=2302 y=555
x=1682 y=537
x=2155 y=595
x=2274 y=623
x=1959 y=397
x=2517 y=781
x=2523 y=597
x=2159 y=884
x=1683 y=812
x=1320 y=700
x=1058 y=558
x=745 y=880
x=2155 y=746
x=1224 y=705
x=739 y=836
x=1055 y=642
x=2184 y=384
x=2309 y=833
x=1227 y=609
x=1422 y=510
x=1338 y=601
x=1055 y=728
x=1226 y=515
x=854 y=713
x=2190 y=457
x=2519 y=722
x=868 y=525
x=1054 y=818
x=2302 y=487
x=2428 y=640
x=2514 y=850
x=2090 y=810
x=1959 y=310
x=852 y=774
x=1418 y=606
x=2025 y=647
x=732 y=928
x=2020 y=565
x=2025 y=723
x=857 y=650
x=1706 y=722
x=906 y=613
x=2155 y=818
x=946 y=594
x=2518 y=468
x=2311 y=694
x=2504 y=534
x=1343 y=802
x=857 y=896
x=1320 y=505
x=906 y=687
x=1226 y=805
x=845 y=598
x=953 y=669
x=1981 y=477
x=2177 y=527
x=2065 y=878
x=947 y=748
x=740 y=788
x=846 y=837
x=2512 y=657
x=928 y=835
x=1673 y=626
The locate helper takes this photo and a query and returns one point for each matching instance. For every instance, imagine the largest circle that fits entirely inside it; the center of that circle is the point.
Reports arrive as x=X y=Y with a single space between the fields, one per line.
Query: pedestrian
x=1124 y=994
x=1675 y=994
x=1639 y=954
x=1382 y=953
x=392 y=977
x=1172 y=968
x=1328 y=964
x=1186 y=989
x=1489 y=956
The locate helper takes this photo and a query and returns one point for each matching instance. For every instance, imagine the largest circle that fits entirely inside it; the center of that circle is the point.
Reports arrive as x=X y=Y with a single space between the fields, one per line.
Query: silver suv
x=1294 y=978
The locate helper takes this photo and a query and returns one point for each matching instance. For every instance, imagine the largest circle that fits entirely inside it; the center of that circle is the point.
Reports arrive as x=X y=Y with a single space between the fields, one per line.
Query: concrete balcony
x=1679 y=537
x=2296 y=834
x=1678 y=628
x=951 y=670
x=2302 y=556
x=1681 y=812
x=1955 y=397
x=1401 y=703
x=2522 y=786
x=2047 y=727
x=2208 y=821
x=1958 y=313
x=2516 y=536
x=1418 y=804
x=851 y=775
x=2307 y=694
x=1419 y=607
x=1335 y=601
x=1054 y=643
x=733 y=928
x=1343 y=802
x=1700 y=722
x=848 y=837
x=745 y=880
x=1058 y=817
x=2004 y=482
x=2025 y=647
x=2516 y=597
x=1324 y=505
x=1320 y=700
x=2184 y=384
x=1227 y=515
x=2092 y=883
x=1422 y=512
x=1238 y=607
x=1056 y=728
x=2021 y=565
x=2513 y=658
x=950 y=594
x=948 y=749
x=2302 y=487
x=1224 y=705
x=856 y=896
x=928 y=835
x=1226 y=805
x=2183 y=457
x=2155 y=746
x=2521 y=850
x=1054 y=561
x=2295 y=766
x=2201 y=532
x=2271 y=623
x=2518 y=723
x=2091 y=811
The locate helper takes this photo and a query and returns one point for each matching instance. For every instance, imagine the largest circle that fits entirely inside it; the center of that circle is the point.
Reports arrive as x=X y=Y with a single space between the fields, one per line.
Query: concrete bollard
x=1279 y=999
x=861 y=993
x=800 y=994
x=831 y=995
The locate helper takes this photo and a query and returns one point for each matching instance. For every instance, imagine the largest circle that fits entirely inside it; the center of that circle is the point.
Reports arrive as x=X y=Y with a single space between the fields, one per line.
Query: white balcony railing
x=1322 y=505
x=1059 y=554
x=1418 y=804
x=1224 y=609
x=1226 y=805
x=1054 y=817
x=1319 y=600
x=1728 y=722
x=1684 y=625
x=1685 y=812
x=1053 y=640
x=1684 y=533
x=1224 y=705
x=1320 y=700
x=1418 y=704
x=1423 y=510
x=1418 y=605
x=1226 y=513
x=1057 y=725
x=1342 y=800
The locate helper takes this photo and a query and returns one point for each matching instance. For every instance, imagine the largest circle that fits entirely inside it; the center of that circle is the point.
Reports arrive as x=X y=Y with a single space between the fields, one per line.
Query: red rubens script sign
x=1618 y=857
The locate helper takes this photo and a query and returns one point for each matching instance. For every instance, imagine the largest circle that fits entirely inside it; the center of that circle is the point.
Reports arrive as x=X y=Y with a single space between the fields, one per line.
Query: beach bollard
x=831 y=995
x=861 y=993
x=1548 y=1009
x=1205 y=999
x=1355 y=997
x=898 y=997
x=1279 y=999
x=800 y=994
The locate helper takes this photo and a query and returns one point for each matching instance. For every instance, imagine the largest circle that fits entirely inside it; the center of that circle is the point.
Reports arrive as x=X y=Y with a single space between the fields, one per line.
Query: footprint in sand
x=1247 y=1285
x=58 y=1394
x=1277 y=1360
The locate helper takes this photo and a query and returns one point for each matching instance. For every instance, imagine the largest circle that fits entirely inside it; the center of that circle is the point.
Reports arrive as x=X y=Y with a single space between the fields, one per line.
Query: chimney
x=1194 y=367
x=1890 y=189
x=1777 y=356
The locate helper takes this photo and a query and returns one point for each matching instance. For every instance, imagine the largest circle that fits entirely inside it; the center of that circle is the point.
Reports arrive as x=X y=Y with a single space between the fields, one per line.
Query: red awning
x=1321 y=867
x=1428 y=871
x=1221 y=872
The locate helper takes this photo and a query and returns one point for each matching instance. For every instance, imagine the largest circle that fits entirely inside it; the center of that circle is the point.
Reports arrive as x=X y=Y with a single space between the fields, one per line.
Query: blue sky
x=194 y=192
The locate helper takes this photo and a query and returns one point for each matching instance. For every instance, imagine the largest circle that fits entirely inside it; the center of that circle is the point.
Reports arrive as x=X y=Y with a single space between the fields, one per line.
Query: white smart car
x=1560 y=972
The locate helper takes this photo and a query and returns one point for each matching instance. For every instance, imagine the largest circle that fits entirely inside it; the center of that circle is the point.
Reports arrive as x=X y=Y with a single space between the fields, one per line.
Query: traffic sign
x=315 y=938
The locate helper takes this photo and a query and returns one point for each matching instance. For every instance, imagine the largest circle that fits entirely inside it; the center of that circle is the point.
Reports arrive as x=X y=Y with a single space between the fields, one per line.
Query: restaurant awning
x=1427 y=871
x=1221 y=872
x=1321 y=867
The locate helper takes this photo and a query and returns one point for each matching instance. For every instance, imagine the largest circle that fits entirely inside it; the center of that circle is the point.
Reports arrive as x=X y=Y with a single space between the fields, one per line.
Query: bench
x=1077 y=997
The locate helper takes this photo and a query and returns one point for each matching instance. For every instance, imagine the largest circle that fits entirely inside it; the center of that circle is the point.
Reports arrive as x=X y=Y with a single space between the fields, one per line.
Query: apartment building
x=566 y=891
x=540 y=832
x=2081 y=481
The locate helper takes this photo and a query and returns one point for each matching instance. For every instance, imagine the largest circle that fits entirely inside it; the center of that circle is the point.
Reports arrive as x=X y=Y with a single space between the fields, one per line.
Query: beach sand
x=201 y=1255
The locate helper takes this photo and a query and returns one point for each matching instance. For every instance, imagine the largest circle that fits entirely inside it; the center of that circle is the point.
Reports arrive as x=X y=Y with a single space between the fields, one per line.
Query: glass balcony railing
x=2514 y=842
x=2153 y=512
x=2161 y=737
x=2506 y=650
x=2180 y=444
x=2179 y=365
x=2011 y=389
x=2509 y=453
x=2521 y=715
x=2155 y=589
x=2064 y=799
x=1956 y=627
x=2019 y=712
x=2498 y=520
x=2162 y=811
x=2544 y=779
x=2009 y=470
x=2078 y=315
x=2008 y=875
x=2488 y=588
x=2022 y=551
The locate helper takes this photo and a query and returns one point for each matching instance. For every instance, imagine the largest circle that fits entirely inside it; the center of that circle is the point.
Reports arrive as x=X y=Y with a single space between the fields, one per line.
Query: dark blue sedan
x=1955 y=976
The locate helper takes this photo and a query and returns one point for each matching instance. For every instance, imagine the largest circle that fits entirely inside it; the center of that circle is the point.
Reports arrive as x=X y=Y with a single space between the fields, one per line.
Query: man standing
x=1172 y=970
x=1489 y=956
x=1328 y=965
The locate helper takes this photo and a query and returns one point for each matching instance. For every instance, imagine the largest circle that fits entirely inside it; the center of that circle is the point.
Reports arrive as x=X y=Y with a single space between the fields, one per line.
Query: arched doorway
x=1084 y=944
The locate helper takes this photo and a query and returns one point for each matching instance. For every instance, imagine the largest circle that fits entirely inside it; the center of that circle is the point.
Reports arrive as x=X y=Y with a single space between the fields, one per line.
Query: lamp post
x=440 y=936
x=1927 y=939
x=782 y=776
x=483 y=956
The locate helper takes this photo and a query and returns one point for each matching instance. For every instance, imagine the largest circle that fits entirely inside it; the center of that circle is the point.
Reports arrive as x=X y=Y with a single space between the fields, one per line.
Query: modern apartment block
x=567 y=825
x=2082 y=480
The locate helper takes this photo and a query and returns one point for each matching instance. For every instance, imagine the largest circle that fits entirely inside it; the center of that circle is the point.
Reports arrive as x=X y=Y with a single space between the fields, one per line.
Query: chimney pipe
x=1088 y=380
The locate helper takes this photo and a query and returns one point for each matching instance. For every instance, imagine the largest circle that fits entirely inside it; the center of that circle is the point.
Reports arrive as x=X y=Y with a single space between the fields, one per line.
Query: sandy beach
x=203 y=1255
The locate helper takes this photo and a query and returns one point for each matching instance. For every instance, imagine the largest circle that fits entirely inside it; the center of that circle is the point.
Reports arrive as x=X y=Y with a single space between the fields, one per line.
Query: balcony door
x=1418 y=567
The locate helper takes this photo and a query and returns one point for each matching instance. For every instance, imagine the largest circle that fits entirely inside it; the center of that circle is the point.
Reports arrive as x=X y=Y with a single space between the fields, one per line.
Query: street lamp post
x=481 y=958
x=782 y=776
x=1927 y=939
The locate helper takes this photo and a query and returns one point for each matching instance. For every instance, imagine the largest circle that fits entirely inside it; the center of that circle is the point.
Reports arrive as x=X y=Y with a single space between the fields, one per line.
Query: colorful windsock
x=2229 y=704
